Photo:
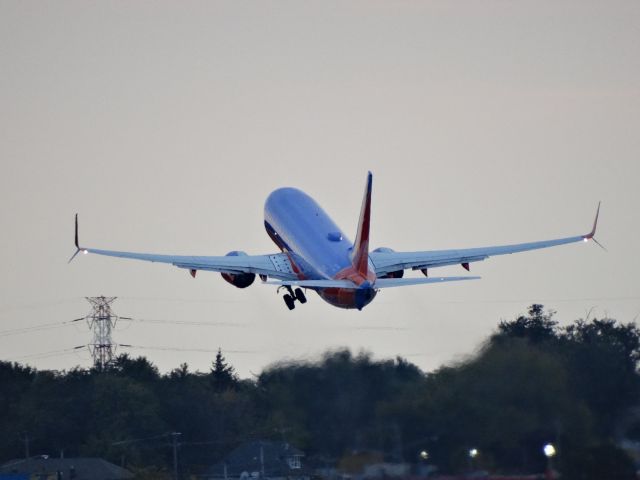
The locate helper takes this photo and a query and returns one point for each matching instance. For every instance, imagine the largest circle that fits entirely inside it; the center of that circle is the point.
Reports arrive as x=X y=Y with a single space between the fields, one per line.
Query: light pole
x=175 y=436
x=549 y=451
x=473 y=453
x=423 y=467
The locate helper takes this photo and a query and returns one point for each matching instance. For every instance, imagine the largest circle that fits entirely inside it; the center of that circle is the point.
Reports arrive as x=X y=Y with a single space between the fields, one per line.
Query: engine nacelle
x=239 y=280
x=395 y=274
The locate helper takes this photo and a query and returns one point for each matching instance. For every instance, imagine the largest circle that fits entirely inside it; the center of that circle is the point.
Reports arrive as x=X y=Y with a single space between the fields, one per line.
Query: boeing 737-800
x=315 y=254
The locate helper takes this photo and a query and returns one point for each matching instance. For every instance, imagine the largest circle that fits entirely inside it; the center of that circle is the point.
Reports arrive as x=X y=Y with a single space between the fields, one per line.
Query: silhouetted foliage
x=222 y=375
x=532 y=382
x=537 y=327
x=598 y=462
x=139 y=369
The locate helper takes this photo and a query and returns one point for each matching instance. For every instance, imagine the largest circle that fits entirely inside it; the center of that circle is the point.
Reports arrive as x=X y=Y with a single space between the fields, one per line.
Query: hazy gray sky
x=167 y=124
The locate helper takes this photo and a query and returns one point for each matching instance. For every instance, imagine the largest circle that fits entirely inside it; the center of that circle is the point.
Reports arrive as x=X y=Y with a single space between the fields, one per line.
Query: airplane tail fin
x=360 y=254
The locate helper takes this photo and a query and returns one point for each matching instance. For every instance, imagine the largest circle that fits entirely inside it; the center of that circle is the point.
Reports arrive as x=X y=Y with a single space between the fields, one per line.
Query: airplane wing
x=275 y=265
x=389 y=261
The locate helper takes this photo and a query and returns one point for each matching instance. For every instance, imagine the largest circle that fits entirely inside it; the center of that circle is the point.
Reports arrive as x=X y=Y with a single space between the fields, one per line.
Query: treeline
x=531 y=383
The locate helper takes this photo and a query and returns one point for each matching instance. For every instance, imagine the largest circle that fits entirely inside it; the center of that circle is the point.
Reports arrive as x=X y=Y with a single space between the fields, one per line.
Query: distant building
x=261 y=460
x=46 y=468
x=370 y=465
x=386 y=470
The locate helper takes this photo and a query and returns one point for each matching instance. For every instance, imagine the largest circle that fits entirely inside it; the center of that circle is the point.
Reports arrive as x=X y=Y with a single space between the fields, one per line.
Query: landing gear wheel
x=300 y=295
x=288 y=299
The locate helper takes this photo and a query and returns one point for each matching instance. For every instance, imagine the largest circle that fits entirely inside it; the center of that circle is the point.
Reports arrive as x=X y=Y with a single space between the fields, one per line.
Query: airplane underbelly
x=348 y=298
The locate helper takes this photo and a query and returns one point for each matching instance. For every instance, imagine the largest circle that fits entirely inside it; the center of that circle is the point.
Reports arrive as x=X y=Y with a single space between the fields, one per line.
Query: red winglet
x=360 y=255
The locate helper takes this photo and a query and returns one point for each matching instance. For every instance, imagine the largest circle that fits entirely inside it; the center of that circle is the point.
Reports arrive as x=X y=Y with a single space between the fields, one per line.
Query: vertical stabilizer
x=360 y=255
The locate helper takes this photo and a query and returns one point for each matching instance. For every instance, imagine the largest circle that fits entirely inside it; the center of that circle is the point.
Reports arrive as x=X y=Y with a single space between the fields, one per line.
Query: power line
x=185 y=322
x=51 y=353
x=51 y=325
x=145 y=439
x=36 y=328
x=183 y=300
x=35 y=305
x=179 y=349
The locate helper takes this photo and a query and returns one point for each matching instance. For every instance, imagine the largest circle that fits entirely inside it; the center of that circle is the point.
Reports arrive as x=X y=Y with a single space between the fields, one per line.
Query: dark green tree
x=222 y=376
x=139 y=369
x=537 y=326
x=603 y=358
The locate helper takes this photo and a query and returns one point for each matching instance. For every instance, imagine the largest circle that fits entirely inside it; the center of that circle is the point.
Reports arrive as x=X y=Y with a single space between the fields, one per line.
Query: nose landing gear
x=293 y=295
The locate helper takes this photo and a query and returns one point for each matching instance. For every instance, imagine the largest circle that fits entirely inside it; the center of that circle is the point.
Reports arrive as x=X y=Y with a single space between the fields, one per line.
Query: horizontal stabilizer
x=380 y=283
x=314 y=283
x=403 y=282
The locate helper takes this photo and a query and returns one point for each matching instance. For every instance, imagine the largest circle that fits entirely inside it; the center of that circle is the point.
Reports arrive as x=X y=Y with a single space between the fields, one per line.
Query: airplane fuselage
x=316 y=246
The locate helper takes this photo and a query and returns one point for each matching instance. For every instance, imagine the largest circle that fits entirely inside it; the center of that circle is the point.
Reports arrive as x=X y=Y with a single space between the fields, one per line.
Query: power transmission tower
x=102 y=321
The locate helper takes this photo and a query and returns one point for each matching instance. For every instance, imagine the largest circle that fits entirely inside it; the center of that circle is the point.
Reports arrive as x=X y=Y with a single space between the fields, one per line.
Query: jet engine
x=239 y=280
x=394 y=274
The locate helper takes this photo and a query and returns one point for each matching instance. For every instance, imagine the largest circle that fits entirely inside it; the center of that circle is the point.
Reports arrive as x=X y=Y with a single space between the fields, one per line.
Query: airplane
x=316 y=255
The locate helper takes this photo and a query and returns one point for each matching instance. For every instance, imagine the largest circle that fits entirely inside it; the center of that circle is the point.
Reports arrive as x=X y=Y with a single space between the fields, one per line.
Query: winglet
x=78 y=249
x=592 y=233
x=360 y=255
x=76 y=239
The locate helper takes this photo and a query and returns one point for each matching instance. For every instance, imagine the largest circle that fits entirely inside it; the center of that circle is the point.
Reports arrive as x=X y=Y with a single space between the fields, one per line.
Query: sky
x=165 y=125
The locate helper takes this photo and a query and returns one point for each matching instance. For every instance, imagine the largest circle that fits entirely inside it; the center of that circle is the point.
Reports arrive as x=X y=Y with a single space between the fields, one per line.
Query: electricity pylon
x=101 y=321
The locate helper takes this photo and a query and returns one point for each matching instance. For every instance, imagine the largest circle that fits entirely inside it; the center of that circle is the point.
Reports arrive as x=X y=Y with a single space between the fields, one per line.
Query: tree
x=341 y=402
x=603 y=357
x=598 y=462
x=222 y=375
x=140 y=368
x=532 y=382
x=537 y=327
x=124 y=411
x=180 y=373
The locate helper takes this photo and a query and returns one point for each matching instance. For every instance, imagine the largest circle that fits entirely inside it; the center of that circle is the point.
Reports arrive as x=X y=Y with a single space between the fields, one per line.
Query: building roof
x=85 y=468
x=272 y=457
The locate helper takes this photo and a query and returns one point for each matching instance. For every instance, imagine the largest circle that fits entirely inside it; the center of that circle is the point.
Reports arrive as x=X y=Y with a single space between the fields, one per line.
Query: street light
x=424 y=455
x=549 y=451
x=473 y=453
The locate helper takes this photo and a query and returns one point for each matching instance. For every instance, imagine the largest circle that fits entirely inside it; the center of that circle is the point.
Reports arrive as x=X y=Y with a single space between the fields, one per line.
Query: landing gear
x=299 y=294
x=289 y=301
x=291 y=297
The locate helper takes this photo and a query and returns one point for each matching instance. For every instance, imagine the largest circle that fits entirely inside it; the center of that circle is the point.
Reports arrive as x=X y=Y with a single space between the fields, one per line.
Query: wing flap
x=385 y=262
x=270 y=265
